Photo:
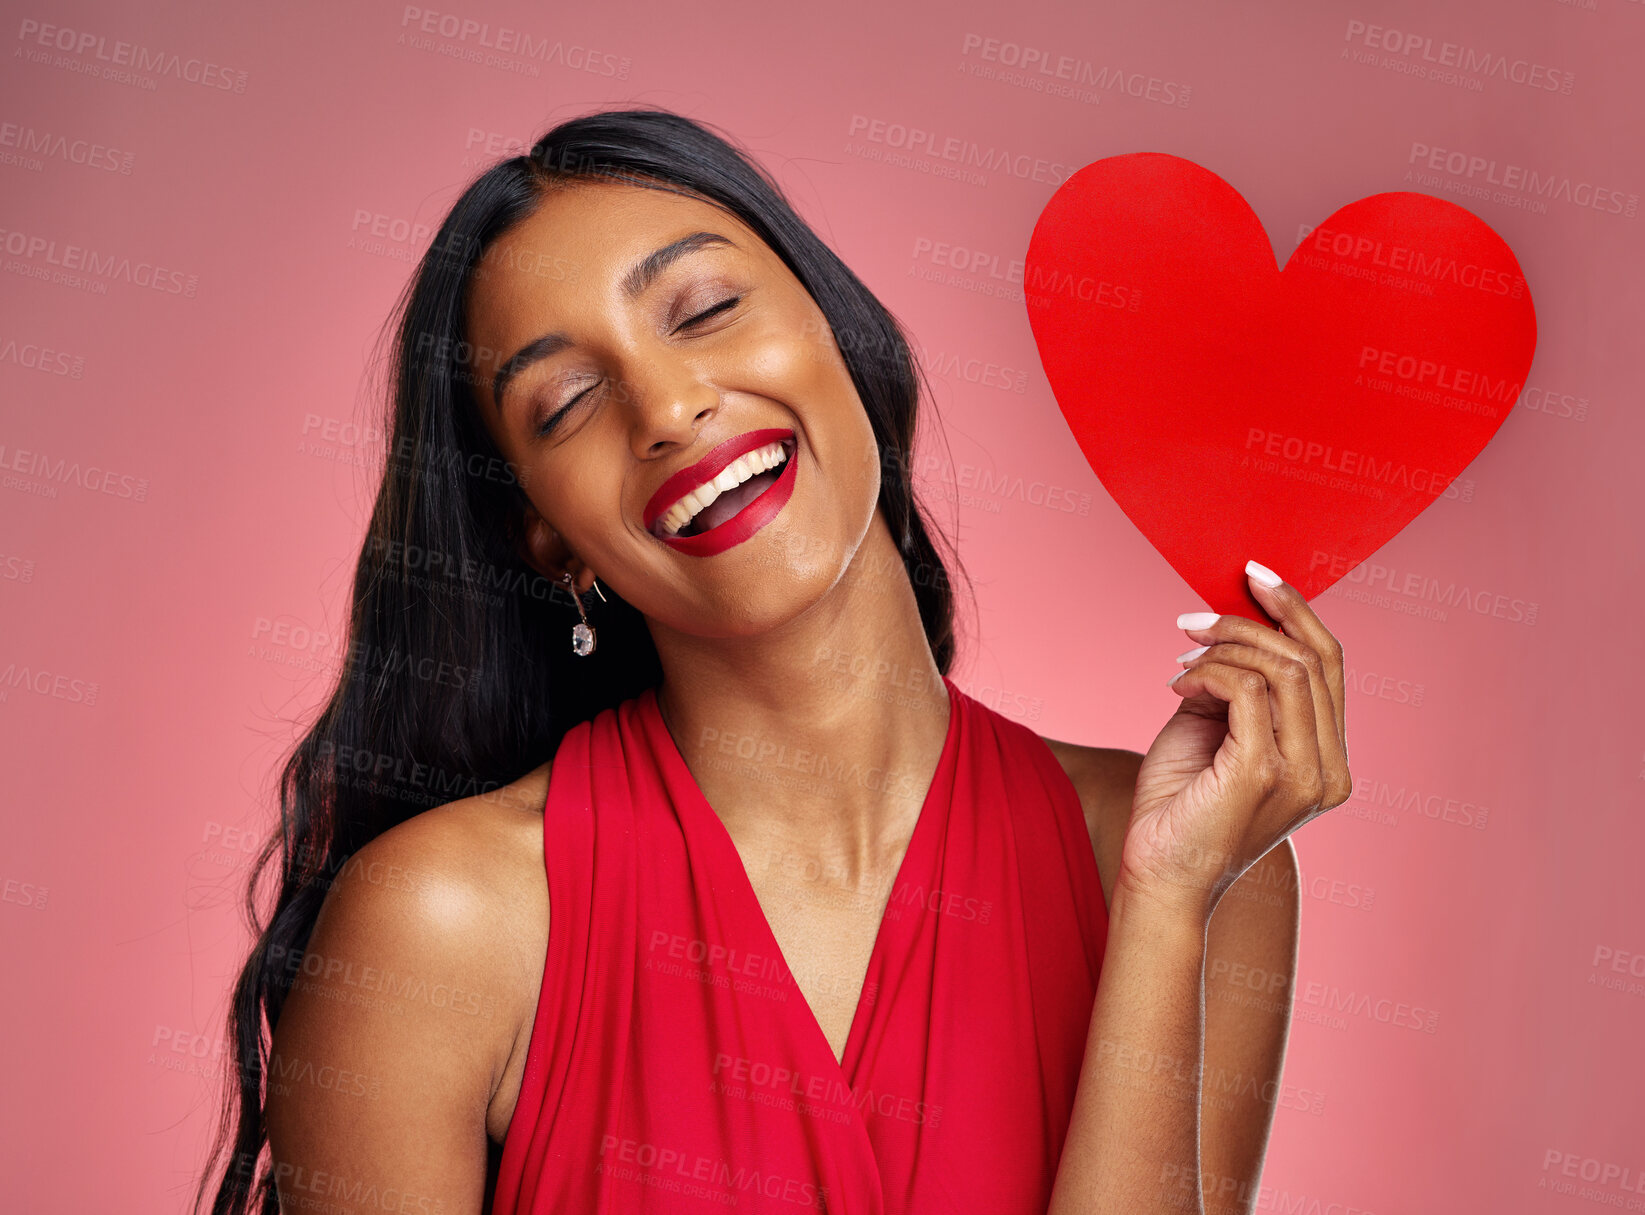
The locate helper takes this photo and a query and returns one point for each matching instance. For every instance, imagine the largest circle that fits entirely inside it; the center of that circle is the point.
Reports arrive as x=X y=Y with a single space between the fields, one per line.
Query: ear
x=546 y=551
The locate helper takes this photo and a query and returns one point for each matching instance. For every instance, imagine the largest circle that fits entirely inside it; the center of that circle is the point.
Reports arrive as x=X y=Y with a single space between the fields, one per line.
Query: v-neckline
x=672 y=758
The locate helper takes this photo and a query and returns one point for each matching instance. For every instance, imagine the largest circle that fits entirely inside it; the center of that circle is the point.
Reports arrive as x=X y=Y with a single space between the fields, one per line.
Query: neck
x=820 y=737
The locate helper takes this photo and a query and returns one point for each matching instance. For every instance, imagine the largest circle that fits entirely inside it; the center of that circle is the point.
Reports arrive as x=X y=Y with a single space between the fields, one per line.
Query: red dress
x=674 y=1064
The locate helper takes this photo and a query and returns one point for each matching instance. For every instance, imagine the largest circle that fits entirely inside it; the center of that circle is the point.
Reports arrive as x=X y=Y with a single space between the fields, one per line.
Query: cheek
x=580 y=497
x=794 y=353
x=808 y=374
x=797 y=362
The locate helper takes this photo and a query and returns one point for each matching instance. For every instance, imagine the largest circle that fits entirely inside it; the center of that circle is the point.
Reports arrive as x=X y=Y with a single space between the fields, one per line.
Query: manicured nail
x=1197 y=620
x=1190 y=655
x=1178 y=676
x=1263 y=574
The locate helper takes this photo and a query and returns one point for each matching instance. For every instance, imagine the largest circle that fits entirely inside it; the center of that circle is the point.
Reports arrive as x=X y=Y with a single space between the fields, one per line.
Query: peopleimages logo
x=829 y=1090
x=1426 y=372
x=53 y=145
x=1044 y=71
x=123 y=62
x=1375 y=253
x=1515 y=182
x=35 y=357
x=1330 y=999
x=1629 y=1178
x=50 y=258
x=25 y=678
x=957 y=150
x=52 y=470
x=1419 y=48
x=483 y=36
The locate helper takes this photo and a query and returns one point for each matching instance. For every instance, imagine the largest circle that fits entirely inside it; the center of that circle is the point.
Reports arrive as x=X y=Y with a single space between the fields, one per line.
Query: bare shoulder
x=420 y=981
x=1105 y=779
x=479 y=846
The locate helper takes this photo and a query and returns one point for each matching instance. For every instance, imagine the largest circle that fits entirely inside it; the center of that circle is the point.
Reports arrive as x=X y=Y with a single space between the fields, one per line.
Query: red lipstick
x=745 y=522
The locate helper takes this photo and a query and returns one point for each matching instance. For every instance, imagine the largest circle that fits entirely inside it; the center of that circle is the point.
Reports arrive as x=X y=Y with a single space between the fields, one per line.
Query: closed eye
x=718 y=308
x=553 y=420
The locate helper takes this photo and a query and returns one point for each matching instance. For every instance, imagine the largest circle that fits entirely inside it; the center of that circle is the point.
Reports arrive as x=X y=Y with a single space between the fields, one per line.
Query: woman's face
x=649 y=366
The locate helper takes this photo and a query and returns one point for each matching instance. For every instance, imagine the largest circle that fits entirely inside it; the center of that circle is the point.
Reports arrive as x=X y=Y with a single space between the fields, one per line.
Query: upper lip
x=706 y=469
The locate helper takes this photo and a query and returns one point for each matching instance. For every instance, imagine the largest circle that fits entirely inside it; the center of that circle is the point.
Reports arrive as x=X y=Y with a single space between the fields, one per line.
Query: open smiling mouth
x=733 y=503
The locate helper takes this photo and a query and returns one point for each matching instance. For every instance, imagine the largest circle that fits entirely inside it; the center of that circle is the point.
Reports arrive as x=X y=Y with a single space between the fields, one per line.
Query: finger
x=1329 y=747
x=1250 y=722
x=1290 y=685
x=1301 y=627
x=1301 y=623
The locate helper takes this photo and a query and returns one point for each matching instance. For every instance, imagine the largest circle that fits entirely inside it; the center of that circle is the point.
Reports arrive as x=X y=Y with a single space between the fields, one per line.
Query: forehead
x=573 y=251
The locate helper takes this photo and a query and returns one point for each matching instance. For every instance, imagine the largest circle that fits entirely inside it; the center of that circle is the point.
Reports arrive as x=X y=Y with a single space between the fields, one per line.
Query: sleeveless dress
x=674 y=1064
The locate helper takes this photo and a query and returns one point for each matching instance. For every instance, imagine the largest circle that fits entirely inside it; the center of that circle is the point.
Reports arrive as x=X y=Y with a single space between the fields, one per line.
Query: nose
x=669 y=402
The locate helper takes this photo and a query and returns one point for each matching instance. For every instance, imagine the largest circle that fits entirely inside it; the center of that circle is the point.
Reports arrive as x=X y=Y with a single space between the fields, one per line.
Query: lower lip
x=745 y=522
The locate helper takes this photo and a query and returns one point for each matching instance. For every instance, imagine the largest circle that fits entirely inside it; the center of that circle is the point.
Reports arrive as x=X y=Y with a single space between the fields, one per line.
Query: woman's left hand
x=1256 y=749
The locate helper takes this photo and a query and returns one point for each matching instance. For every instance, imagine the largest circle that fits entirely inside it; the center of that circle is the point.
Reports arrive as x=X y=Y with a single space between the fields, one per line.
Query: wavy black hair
x=458 y=676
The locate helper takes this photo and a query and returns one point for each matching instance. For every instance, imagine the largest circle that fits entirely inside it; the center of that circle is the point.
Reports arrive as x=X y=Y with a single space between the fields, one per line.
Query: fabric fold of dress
x=675 y=1066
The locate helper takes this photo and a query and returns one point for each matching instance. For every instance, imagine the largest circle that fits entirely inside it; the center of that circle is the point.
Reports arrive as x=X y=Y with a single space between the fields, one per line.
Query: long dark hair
x=458 y=676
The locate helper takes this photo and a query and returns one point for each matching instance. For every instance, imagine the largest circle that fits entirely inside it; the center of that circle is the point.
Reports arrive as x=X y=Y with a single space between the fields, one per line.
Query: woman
x=737 y=900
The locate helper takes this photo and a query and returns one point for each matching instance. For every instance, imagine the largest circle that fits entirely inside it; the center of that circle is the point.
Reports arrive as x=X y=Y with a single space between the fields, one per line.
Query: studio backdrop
x=207 y=213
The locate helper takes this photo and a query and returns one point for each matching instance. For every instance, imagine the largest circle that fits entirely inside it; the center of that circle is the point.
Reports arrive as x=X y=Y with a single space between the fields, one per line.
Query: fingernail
x=1197 y=620
x=1190 y=655
x=1263 y=574
x=1178 y=676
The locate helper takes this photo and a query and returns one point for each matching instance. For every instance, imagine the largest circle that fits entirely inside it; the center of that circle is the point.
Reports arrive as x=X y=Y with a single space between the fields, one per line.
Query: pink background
x=1486 y=872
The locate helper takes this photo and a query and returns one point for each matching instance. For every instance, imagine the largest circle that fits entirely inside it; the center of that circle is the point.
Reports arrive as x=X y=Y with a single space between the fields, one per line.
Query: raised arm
x=1249 y=973
x=1255 y=750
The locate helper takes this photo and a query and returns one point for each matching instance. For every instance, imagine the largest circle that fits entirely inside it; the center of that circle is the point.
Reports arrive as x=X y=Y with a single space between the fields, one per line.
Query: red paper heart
x=1235 y=411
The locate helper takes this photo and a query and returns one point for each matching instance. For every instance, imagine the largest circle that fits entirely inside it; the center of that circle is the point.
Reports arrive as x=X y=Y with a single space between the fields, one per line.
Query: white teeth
x=750 y=464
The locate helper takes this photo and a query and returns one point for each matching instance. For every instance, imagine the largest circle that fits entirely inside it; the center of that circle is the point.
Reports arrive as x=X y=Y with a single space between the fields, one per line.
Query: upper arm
x=399 y=1021
x=1105 y=779
x=1250 y=972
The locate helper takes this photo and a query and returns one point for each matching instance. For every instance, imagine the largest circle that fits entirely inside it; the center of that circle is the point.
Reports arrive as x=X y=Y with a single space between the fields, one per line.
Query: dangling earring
x=582 y=634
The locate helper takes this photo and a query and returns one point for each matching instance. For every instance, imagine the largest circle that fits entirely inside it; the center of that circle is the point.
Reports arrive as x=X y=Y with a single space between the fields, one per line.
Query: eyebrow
x=640 y=276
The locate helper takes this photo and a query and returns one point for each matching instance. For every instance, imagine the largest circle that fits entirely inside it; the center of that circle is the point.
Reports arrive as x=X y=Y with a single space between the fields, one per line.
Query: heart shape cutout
x=1234 y=410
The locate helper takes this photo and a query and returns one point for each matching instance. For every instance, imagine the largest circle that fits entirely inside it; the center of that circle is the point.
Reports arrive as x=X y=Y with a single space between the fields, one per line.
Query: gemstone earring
x=582 y=634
